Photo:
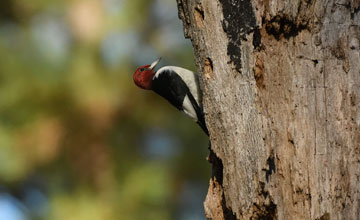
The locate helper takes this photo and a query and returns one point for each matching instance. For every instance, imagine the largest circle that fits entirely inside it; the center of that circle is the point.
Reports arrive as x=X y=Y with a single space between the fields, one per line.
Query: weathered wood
x=281 y=84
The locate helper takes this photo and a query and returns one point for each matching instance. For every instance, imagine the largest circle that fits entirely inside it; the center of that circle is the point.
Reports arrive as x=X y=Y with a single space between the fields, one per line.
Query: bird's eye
x=142 y=69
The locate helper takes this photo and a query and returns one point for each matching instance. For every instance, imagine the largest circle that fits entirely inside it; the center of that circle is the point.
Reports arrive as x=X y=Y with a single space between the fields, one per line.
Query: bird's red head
x=143 y=75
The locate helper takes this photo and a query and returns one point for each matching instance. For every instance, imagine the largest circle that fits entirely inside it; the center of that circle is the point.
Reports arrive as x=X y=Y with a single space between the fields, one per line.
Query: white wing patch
x=189 y=109
x=189 y=77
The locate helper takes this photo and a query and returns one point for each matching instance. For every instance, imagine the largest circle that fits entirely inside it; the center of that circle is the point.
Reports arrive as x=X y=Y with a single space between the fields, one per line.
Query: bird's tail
x=202 y=124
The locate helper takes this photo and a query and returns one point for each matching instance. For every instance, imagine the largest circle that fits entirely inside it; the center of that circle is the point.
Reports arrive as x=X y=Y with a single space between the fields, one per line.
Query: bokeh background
x=77 y=139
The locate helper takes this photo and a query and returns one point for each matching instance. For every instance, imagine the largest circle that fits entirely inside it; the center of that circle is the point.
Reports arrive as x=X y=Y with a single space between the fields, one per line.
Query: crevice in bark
x=354 y=12
x=325 y=216
x=217 y=175
x=257 y=38
x=265 y=210
x=263 y=192
x=199 y=15
x=216 y=166
x=228 y=213
x=272 y=169
x=315 y=62
x=208 y=68
x=282 y=26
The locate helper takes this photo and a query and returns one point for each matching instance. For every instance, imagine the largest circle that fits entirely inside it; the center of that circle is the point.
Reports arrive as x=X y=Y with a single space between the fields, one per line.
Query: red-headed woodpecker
x=177 y=85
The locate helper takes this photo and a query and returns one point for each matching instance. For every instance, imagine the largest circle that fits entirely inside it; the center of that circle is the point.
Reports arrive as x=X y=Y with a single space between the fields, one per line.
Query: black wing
x=171 y=86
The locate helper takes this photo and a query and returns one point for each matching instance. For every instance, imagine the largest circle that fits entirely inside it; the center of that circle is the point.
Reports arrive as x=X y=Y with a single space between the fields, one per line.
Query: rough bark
x=281 y=84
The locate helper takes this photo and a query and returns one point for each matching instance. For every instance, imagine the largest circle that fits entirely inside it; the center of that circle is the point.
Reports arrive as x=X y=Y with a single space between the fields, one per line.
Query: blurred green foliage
x=77 y=139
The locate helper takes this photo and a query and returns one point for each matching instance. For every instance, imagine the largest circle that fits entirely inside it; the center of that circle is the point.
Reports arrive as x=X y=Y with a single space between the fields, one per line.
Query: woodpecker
x=177 y=85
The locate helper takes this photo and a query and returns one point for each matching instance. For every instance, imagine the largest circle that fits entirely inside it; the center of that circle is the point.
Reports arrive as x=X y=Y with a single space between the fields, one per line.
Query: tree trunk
x=281 y=84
